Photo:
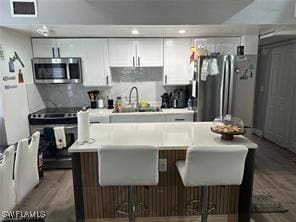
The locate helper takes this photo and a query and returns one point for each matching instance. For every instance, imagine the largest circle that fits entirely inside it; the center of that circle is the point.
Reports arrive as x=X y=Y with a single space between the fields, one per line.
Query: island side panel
x=246 y=188
x=101 y=202
x=77 y=186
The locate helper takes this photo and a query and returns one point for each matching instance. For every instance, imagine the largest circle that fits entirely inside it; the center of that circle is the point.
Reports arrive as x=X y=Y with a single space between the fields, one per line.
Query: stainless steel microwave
x=57 y=70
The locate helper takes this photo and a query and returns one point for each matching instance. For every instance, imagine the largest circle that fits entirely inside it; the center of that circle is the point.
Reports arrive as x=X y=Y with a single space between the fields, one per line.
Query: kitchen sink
x=141 y=110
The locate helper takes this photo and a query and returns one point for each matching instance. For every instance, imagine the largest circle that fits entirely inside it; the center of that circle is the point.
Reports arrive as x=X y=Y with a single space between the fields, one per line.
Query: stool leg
x=204 y=206
x=131 y=204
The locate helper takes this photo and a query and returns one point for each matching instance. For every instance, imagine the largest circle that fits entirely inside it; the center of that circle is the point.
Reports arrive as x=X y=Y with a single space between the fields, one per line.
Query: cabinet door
x=177 y=67
x=150 y=52
x=122 y=52
x=95 y=62
x=44 y=48
x=69 y=47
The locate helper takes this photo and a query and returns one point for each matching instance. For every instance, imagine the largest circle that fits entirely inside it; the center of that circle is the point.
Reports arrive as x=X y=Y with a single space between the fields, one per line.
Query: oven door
x=57 y=70
x=54 y=158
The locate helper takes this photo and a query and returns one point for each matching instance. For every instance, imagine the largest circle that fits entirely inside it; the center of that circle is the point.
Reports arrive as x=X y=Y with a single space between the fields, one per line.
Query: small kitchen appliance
x=93 y=96
x=165 y=101
x=57 y=70
x=179 y=99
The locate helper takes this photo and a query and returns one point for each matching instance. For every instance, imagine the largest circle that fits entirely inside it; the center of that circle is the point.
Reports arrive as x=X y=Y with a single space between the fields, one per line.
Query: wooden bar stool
x=128 y=166
x=212 y=165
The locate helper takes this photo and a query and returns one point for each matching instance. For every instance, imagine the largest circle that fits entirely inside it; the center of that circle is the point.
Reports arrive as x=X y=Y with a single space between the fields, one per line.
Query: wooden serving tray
x=228 y=136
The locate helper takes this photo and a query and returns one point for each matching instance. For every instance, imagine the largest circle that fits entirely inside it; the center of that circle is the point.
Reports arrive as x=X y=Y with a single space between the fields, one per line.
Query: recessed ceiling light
x=135 y=32
x=182 y=31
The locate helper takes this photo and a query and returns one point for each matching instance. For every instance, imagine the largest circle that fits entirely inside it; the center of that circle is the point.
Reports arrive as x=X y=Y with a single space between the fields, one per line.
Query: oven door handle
x=71 y=127
x=68 y=127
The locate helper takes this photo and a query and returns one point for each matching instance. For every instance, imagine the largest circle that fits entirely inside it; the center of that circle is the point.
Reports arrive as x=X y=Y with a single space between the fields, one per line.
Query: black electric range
x=60 y=115
x=54 y=158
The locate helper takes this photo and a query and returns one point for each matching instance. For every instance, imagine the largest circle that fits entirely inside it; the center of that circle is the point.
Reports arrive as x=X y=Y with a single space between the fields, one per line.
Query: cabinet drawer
x=179 y=118
x=137 y=118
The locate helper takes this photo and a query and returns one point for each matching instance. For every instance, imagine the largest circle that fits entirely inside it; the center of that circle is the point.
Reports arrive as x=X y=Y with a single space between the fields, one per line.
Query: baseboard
x=257 y=132
x=212 y=218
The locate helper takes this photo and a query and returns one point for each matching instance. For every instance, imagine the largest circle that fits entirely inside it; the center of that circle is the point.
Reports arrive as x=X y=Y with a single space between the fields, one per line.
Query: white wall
x=251 y=44
x=14 y=102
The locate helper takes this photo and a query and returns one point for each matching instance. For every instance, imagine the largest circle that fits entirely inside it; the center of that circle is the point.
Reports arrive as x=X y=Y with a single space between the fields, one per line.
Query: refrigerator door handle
x=222 y=87
x=226 y=88
x=231 y=82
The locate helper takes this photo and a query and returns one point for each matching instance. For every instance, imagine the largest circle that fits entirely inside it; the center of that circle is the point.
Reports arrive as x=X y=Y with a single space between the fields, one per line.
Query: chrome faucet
x=137 y=97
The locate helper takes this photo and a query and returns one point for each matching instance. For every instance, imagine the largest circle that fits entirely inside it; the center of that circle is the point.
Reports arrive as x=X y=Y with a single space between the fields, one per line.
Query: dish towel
x=214 y=68
x=49 y=137
x=60 y=137
x=204 y=70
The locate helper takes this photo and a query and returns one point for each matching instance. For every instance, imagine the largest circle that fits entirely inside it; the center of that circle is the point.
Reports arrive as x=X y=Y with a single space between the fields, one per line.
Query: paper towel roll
x=83 y=126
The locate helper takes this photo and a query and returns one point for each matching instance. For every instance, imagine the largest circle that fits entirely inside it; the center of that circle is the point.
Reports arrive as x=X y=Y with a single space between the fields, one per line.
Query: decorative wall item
x=1 y=53
x=12 y=60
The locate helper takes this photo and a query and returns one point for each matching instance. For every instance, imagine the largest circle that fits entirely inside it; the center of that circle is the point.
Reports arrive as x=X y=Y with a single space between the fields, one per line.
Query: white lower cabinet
x=151 y=118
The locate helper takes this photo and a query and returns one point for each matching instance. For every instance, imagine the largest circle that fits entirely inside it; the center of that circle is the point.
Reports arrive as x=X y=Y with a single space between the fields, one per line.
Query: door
x=44 y=48
x=279 y=94
x=292 y=129
x=122 y=52
x=69 y=47
x=95 y=62
x=150 y=52
x=177 y=67
x=211 y=93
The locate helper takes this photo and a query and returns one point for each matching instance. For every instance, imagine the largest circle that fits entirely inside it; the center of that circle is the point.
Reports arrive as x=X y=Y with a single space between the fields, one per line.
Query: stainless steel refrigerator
x=229 y=92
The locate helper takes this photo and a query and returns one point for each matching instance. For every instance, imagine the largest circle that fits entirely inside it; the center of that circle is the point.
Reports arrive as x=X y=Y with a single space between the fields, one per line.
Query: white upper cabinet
x=93 y=54
x=69 y=47
x=177 y=67
x=144 y=52
x=122 y=52
x=44 y=48
x=95 y=62
x=150 y=52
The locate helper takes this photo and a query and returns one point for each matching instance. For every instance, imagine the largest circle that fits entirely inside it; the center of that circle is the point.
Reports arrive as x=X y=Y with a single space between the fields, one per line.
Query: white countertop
x=165 y=136
x=108 y=112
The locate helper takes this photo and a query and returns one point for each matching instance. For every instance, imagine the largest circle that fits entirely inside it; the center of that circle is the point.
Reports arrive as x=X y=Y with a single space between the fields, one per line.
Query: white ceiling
x=145 y=31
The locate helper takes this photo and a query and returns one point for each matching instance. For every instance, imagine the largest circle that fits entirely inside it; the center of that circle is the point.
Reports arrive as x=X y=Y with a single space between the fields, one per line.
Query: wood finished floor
x=275 y=171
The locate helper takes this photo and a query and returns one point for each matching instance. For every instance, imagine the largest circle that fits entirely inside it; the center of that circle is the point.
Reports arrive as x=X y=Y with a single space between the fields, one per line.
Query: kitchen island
x=169 y=197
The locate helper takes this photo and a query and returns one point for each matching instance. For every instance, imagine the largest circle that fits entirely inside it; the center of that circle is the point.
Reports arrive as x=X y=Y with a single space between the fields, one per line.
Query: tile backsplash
x=147 y=80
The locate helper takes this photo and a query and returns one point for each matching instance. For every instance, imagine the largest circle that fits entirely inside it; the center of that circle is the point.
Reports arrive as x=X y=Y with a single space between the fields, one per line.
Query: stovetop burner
x=59 y=110
x=59 y=115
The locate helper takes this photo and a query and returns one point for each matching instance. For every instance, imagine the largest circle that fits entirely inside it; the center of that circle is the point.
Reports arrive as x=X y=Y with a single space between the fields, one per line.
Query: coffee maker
x=93 y=96
x=165 y=101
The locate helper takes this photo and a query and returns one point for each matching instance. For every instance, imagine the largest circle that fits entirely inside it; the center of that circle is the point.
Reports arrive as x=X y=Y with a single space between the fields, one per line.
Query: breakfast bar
x=169 y=197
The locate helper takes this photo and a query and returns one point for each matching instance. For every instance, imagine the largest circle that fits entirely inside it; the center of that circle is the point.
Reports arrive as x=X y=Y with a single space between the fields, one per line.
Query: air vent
x=23 y=8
